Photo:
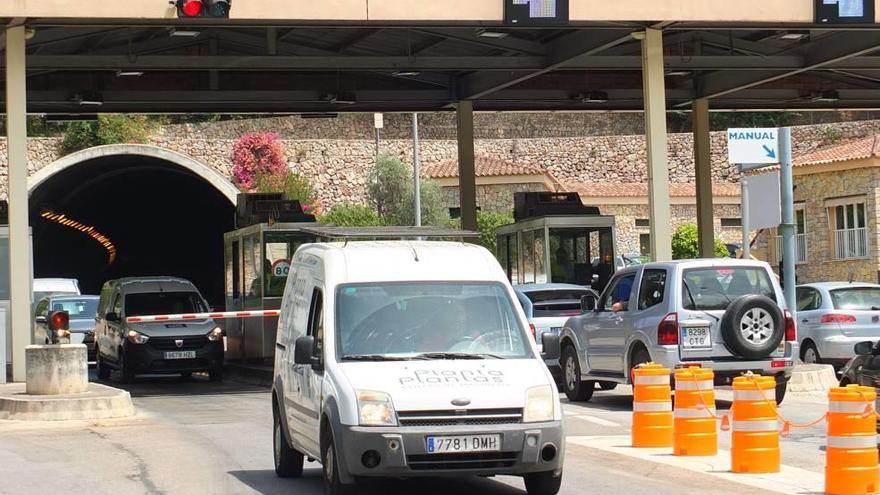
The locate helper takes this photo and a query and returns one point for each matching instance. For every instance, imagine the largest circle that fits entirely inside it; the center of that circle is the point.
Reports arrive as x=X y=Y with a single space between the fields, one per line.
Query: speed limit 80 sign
x=280 y=268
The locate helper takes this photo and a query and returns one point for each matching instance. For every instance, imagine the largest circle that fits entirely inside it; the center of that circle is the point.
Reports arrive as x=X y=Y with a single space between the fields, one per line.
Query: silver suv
x=724 y=314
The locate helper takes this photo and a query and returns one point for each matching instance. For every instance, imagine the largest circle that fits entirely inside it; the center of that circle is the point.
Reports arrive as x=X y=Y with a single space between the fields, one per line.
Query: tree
x=107 y=129
x=256 y=153
x=390 y=188
x=351 y=215
x=686 y=243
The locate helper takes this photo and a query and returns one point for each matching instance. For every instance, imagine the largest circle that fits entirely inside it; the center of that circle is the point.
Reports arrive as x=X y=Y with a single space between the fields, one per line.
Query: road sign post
x=789 y=255
x=746 y=233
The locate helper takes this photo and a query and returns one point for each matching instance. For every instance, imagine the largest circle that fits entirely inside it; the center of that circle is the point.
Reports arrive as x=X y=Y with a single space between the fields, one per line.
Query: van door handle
x=805 y=321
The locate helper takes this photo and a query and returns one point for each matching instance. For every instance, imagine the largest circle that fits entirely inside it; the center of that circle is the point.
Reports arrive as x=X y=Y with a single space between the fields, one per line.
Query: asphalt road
x=192 y=437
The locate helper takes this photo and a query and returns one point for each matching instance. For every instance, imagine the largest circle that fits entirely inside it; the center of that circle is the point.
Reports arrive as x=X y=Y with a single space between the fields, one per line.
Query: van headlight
x=137 y=337
x=375 y=409
x=539 y=405
x=215 y=334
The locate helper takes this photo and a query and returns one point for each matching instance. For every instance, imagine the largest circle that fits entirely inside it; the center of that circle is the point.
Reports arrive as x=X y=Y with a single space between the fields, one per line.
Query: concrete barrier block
x=98 y=402
x=56 y=369
x=813 y=378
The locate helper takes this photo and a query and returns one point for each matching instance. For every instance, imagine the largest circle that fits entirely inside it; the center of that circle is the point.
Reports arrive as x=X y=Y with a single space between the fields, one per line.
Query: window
x=117 y=305
x=808 y=299
x=316 y=322
x=848 y=221
x=619 y=292
x=42 y=308
x=645 y=244
x=643 y=222
x=800 y=235
x=426 y=320
x=279 y=250
x=84 y=308
x=653 y=288
x=707 y=289
x=163 y=303
x=731 y=222
x=235 y=270
x=856 y=299
x=560 y=302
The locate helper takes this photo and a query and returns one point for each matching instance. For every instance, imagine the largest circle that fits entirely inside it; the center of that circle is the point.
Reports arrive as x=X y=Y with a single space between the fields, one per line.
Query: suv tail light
x=667 y=330
x=533 y=331
x=837 y=318
x=790 y=327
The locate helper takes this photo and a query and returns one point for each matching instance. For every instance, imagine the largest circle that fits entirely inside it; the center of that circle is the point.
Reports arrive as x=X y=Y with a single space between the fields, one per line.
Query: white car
x=43 y=287
x=834 y=317
x=410 y=359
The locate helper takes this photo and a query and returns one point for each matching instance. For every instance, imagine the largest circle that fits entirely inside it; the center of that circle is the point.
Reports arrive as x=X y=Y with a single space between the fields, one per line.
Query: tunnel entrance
x=162 y=219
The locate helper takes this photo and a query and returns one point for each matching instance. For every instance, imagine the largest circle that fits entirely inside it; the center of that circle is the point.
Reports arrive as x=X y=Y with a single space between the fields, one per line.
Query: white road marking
x=596 y=420
x=790 y=480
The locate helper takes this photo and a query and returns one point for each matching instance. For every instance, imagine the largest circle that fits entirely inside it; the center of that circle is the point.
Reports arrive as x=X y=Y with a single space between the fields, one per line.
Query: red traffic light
x=59 y=320
x=191 y=8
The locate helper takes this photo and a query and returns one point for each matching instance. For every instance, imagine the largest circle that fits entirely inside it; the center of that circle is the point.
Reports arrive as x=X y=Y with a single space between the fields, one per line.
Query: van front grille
x=453 y=417
x=169 y=344
x=449 y=462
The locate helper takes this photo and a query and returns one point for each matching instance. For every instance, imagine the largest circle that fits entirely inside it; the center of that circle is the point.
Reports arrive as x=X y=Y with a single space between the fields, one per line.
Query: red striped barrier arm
x=202 y=316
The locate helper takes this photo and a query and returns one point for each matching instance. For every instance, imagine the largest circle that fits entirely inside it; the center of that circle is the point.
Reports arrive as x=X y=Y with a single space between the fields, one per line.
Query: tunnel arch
x=165 y=212
x=89 y=154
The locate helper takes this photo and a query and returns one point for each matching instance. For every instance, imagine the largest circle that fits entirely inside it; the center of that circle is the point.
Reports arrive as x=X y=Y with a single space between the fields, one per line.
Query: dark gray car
x=82 y=311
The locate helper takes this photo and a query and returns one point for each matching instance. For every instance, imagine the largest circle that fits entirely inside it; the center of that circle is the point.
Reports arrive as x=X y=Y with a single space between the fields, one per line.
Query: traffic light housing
x=189 y=9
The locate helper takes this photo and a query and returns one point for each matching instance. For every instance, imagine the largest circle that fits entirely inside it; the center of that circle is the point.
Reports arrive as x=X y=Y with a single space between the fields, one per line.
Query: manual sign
x=753 y=146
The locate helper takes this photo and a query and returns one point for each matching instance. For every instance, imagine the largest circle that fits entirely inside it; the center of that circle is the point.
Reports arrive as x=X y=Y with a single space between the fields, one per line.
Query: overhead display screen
x=844 y=11
x=535 y=12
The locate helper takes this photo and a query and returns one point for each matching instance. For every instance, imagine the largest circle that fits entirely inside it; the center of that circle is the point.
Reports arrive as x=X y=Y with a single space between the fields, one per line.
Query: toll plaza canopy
x=66 y=57
x=401 y=55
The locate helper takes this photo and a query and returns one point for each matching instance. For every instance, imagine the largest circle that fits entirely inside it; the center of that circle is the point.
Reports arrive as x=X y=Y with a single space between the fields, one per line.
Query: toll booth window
x=233 y=270
x=528 y=258
x=513 y=257
x=501 y=254
x=162 y=303
x=253 y=284
x=540 y=258
x=276 y=266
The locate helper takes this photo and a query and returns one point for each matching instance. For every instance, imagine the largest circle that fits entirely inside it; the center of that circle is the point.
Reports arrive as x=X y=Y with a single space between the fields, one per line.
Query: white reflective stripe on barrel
x=652 y=406
x=695 y=413
x=755 y=425
x=754 y=395
x=651 y=380
x=848 y=407
x=702 y=385
x=853 y=442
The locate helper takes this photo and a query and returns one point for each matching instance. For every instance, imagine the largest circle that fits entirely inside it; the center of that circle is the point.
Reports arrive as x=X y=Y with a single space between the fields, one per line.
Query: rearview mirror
x=112 y=317
x=550 y=345
x=864 y=348
x=588 y=303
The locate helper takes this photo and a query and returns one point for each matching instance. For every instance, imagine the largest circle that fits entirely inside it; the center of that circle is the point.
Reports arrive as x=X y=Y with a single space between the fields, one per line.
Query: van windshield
x=163 y=303
x=715 y=288
x=422 y=320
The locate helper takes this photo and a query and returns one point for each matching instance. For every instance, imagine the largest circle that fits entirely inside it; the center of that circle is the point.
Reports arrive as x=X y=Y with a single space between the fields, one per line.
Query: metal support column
x=789 y=249
x=653 y=77
x=417 y=190
x=703 y=175
x=19 y=245
x=467 y=180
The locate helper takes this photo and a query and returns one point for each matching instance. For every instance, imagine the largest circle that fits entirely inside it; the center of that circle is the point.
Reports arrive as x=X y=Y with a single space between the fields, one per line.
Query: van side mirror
x=550 y=345
x=588 y=303
x=304 y=353
x=112 y=317
x=864 y=348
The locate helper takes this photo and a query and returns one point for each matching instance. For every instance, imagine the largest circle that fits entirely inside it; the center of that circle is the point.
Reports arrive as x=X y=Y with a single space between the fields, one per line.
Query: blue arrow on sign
x=771 y=153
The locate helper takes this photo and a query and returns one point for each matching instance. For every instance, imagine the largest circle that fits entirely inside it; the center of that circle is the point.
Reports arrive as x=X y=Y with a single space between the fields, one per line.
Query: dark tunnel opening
x=162 y=218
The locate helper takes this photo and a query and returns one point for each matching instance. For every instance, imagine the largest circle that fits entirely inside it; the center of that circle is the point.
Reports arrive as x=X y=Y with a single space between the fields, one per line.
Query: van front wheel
x=575 y=389
x=330 y=460
x=546 y=483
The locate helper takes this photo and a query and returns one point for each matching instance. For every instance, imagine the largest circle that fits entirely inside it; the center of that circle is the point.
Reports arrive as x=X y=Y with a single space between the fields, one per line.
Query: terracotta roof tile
x=639 y=190
x=854 y=150
x=484 y=167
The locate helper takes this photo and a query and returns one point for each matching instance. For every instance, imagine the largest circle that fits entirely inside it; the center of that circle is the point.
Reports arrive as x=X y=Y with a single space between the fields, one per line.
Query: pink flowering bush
x=256 y=154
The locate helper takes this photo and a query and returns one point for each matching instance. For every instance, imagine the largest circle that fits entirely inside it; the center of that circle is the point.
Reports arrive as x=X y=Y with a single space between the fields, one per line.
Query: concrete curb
x=813 y=378
x=99 y=402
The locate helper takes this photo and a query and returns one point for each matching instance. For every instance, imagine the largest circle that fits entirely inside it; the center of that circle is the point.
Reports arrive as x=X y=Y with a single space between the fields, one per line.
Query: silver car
x=724 y=314
x=834 y=317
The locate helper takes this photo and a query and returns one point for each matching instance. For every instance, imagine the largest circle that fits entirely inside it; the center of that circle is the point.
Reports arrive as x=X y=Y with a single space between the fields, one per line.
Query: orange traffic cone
x=755 y=438
x=652 y=407
x=695 y=431
x=851 y=454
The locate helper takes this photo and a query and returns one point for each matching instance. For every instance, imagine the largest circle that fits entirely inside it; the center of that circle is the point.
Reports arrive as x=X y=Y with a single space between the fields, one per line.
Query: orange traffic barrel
x=755 y=438
x=851 y=454
x=652 y=406
x=695 y=430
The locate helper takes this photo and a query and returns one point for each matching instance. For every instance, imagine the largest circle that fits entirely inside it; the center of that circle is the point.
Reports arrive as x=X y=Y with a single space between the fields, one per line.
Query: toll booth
x=258 y=261
x=556 y=239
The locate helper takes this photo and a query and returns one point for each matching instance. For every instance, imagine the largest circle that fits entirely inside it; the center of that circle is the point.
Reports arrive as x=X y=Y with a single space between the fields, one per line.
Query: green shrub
x=351 y=215
x=108 y=129
x=686 y=243
x=292 y=184
x=487 y=225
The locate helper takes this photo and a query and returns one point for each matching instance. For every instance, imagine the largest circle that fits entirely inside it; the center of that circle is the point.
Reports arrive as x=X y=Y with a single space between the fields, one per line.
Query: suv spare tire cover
x=753 y=326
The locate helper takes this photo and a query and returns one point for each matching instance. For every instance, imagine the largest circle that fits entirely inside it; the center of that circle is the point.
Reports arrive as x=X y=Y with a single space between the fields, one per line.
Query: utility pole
x=417 y=190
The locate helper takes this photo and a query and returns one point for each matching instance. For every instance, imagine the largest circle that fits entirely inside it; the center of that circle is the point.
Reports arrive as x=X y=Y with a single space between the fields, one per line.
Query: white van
x=43 y=287
x=405 y=359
